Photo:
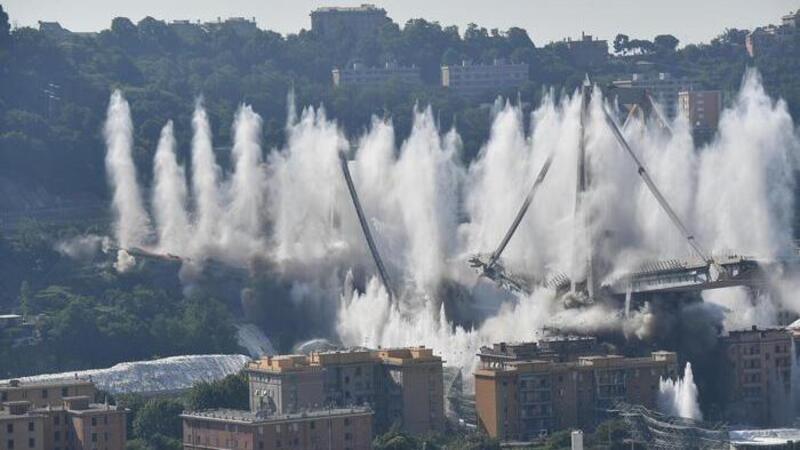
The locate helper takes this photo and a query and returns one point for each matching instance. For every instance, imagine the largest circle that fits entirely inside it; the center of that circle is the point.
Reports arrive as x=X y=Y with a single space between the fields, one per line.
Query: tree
x=159 y=417
x=231 y=392
x=621 y=44
x=666 y=42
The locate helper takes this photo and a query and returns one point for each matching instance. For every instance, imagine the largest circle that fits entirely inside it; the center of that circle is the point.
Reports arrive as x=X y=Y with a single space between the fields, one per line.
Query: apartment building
x=75 y=424
x=361 y=20
x=42 y=394
x=324 y=429
x=401 y=385
x=663 y=87
x=760 y=366
x=587 y=51
x=362 y=76
x=522 y=400
x=703 y=110
x=474 y=80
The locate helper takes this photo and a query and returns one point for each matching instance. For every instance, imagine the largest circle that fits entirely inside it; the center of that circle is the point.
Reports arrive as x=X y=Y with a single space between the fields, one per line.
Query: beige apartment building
x=323 y=429
x=75 y=424
x=45 y=393
x=522 y=400
x=403 y=386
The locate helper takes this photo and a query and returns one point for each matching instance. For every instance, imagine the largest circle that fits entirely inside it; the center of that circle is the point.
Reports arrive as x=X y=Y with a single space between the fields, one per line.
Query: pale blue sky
x=545 y=20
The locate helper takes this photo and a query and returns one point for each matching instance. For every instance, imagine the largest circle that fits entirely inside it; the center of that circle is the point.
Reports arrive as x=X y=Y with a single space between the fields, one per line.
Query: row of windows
x=10 y=443
x=45 y=393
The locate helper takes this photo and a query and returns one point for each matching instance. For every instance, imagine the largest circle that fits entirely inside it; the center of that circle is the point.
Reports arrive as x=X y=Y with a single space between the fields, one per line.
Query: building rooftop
x=17 y=384
x=364 y=7
x=249 y=417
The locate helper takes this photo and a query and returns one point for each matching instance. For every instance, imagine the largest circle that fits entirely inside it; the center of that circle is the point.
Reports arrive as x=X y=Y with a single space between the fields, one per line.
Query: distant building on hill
x=662 y=87
x=474 y=80
x=239 y=25
x=362 y=76
x=762 y=38
x=587 y=51
x=361 y=20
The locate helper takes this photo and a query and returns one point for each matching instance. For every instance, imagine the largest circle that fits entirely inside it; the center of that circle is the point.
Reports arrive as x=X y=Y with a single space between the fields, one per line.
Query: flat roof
x=45 y=383
x=243 y=416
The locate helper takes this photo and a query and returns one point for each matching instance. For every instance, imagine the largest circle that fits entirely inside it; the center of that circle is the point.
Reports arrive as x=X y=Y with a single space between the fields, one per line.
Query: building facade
x=362 y=76
x=702 y=109
x=474 y=80
x=662 y=87
x=587 y=51
x=76 y=424
x=361 y=20
x=325 y=429
x=402 y=386
x=523 y=400
x=44 y=394
x=760 y=367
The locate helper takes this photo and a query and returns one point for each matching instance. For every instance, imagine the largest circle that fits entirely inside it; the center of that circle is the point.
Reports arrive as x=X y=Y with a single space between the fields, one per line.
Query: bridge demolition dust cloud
x=429 y=212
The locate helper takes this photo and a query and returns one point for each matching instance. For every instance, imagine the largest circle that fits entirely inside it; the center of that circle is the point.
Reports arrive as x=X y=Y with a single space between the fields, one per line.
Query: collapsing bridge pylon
x=707 y=273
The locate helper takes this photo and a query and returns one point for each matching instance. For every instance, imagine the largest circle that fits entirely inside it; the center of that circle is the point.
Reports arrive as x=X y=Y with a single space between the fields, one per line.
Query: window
x=94 y=421
x=10 y=428
x=31 y=443
x=65 y=392
x=3 y=396
x=348 y=437
x=44 y=393
x=57 y=436
x=56 y=419
x=312 y=425
x=31 y=426
x=10 y=444
x=347 y=421
x=94 y=437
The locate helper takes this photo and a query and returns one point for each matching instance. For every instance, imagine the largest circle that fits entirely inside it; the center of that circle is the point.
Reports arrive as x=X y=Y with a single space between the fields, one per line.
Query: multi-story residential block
x=362 y=76
x=361 y=20
x=402 y=386
x=526 y=399
x=44 y=394
x=474 y=80
x=587 y=51
x=76 y=424
x=322 y=429
x=411 y=392
x=285 y=384
x=703 y=109
x=662 y=87
x=761 y=365
x=557 y=349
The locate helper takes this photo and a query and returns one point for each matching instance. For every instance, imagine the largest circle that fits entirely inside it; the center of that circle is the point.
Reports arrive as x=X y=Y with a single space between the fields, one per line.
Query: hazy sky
x=545 y=20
